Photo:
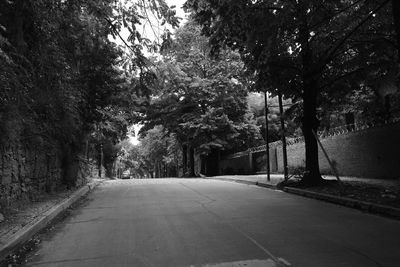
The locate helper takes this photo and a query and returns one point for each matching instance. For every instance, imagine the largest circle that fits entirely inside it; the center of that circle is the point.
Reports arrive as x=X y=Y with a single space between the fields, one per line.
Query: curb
x=29 y=230
x=344 y=201
x=348 y=202
x=270 y=186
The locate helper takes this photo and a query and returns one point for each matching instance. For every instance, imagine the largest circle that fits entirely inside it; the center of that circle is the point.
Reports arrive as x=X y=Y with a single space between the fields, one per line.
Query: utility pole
x=267 y=135
x=285 y=168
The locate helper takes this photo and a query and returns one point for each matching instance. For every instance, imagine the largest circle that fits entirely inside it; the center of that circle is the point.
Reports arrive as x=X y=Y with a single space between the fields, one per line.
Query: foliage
x=202 y=100
x=257 y=107
x=309 y=50
x=156 y=149
x=61 y=76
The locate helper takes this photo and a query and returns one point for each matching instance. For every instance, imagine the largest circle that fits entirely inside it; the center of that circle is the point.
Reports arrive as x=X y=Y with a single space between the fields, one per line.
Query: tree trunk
x=203 y=165
x=218 y=162
x=350 y=120
x=283 y=138
x=310 y=124
x=18 y=25
x=101 y=161
x=267 y=135
x=70 y=166
x=157 y=170
x=310 y=77
x=184 y=160
x=191 y=162
x=396 y=22
x=177 y=174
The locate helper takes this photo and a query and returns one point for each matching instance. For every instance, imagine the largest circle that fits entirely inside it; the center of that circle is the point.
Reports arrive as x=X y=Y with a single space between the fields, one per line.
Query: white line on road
x=279 y=261
x=284 y=261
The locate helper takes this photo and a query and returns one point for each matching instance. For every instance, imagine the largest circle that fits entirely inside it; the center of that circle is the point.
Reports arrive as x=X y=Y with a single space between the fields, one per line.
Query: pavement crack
x=277 y=260
x=354 y=250
x=197 y=192
x=364 y=255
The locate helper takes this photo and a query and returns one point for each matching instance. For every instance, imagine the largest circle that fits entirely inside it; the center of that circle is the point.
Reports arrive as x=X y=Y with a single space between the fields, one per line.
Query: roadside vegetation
x=197 y=90
x=65 y=84
x=317 y=52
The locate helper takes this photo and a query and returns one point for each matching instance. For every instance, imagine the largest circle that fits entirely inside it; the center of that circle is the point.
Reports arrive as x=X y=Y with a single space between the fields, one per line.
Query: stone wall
x=369 y=153
x=88 y=169
x=24 y=172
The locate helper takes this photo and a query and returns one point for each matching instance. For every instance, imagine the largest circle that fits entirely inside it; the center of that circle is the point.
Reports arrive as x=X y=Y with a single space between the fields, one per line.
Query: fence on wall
x=363 y=150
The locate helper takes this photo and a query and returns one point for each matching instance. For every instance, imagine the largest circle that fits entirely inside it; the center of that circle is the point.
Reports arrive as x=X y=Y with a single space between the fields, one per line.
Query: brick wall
x=260 y=158
x=370 y=153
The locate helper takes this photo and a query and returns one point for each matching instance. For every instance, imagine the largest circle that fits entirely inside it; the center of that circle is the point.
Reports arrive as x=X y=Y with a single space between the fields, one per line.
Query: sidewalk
x=366 y=194
x=276 y=178
x=24 y=222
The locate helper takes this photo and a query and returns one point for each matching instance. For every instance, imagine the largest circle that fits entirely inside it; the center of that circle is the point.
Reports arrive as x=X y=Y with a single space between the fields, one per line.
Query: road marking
x=276 y=259
x=237 y=229
x=197 y=192
x=284 y=261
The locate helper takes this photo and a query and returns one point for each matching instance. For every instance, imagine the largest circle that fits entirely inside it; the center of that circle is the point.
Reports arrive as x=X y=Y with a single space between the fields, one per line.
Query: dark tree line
x=63 y=81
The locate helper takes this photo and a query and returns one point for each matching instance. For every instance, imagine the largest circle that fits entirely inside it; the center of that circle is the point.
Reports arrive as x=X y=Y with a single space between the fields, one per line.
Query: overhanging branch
x=330 y=54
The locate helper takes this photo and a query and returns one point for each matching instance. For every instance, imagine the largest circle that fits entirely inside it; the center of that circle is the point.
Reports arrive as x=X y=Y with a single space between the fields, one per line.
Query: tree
x=60 y=75
x=132 y=158
x=257 y=107
x=295 y=47
x=199 y=99
x=157 y=153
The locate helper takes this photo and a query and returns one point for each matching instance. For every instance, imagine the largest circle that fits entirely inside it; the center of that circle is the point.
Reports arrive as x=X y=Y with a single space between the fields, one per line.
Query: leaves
x=199 y=98
x=60 y=71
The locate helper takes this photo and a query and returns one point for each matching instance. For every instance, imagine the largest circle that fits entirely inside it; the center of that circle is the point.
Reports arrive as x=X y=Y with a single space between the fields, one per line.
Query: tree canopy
x=202 y=100
x=310 y=50
x=62 y=79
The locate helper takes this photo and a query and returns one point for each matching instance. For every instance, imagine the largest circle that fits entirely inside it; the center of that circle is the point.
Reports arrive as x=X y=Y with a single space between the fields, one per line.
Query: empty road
x=197 y=222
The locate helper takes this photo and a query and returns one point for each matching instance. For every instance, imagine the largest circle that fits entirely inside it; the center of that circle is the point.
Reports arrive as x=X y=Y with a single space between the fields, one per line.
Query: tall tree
x=294 y=47
x=200 y=99
x=60 y=74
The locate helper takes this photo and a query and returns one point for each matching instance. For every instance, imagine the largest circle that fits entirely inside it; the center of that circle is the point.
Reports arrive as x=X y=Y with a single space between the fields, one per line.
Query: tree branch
x=334 y=15
x=117 y=32
x=330 y=54
x=338 y=78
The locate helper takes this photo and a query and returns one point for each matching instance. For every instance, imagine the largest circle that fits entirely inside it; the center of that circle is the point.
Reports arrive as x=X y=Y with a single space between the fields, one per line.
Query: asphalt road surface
x=197 y=222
